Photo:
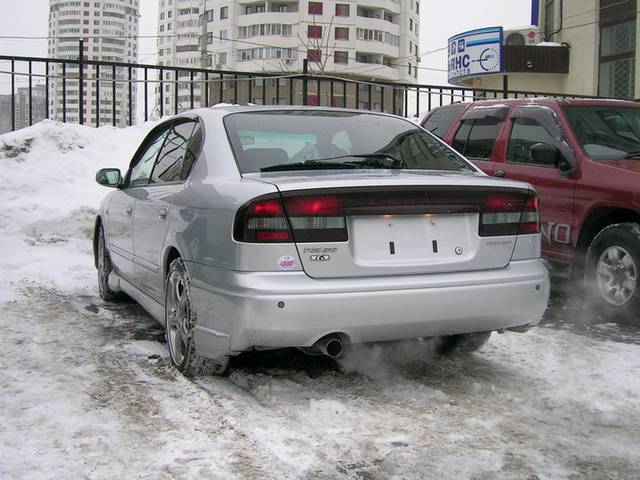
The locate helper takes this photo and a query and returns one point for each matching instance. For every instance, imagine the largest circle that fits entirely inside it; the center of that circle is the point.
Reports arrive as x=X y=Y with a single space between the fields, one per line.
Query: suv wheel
x=613 y=264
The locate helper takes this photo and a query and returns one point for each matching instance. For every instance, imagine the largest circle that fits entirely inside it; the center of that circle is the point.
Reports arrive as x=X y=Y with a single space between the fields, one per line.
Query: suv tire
x=612 y=266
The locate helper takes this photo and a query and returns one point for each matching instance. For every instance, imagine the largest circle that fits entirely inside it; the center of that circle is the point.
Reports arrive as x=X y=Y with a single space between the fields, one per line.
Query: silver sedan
x=242 y=228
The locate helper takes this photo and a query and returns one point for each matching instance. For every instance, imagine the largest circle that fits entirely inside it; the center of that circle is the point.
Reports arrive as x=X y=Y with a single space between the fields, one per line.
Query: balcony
x=536 y=59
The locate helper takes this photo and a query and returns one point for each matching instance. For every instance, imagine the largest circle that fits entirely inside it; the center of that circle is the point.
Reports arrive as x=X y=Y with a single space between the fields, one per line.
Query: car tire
x=463 y=343
x=180 y=321
x=612 y=266
x=104 y=269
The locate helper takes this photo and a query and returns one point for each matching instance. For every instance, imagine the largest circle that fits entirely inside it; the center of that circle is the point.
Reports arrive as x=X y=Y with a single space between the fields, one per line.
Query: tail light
x=509 y=214
x=262 y=221
x=309 y=218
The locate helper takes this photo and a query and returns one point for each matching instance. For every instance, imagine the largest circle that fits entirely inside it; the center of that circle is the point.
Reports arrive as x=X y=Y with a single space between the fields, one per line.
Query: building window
x=314 y=56
x=315 y=8
x=209 y=15
x=342 y=33
x=411 y=24
x=341 y=57
x=314 y=31
x=224 y=13
x=283 y=8
x=417 y=7
x=617 y=60
x=342 y=9
x=618 y=33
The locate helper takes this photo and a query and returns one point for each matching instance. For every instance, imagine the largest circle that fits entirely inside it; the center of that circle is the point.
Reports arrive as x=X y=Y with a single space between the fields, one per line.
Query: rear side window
x=475 y=138
x=439 y=121
x=178 y=153
x=525 y=133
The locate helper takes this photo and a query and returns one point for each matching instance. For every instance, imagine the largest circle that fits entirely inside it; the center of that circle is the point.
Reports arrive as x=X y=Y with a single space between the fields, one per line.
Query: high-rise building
x=109 y=30
x=364 y=40
x=19 y=108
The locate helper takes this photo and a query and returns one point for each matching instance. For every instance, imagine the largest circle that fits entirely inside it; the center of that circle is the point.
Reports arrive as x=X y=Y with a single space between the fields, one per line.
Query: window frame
x=507 y=158
x=162 y=129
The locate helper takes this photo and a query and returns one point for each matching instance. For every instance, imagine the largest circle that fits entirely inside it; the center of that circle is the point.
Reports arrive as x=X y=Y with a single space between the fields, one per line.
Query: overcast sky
x=439 y=20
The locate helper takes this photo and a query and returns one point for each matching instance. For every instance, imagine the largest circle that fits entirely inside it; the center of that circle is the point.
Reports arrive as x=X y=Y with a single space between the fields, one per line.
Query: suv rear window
x=439 y=121
x=475 y=138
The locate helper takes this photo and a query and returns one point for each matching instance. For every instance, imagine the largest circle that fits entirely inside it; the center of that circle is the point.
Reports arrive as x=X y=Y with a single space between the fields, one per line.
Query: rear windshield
x=606 y=132
x=305 y=140
x=442 y=118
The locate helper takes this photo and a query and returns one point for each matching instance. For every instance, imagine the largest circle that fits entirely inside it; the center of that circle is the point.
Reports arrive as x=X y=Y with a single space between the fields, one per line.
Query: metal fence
x=96 y=93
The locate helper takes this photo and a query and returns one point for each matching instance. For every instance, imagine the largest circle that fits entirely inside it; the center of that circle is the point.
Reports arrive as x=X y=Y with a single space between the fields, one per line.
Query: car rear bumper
x=237 y=310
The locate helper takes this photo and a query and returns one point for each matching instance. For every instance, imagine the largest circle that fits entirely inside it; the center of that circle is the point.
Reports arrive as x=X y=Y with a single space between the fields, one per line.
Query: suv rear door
x=477 y=135
x=440 y=119
x=529 y=125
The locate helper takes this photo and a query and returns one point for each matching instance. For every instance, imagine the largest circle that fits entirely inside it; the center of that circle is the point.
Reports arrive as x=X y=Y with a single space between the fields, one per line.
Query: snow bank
x=49 y=198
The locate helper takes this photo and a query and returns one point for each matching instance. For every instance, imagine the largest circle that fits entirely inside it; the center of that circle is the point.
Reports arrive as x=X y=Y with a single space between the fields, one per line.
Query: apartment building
x=110 y=33
x=367 y=40
x=23 y=99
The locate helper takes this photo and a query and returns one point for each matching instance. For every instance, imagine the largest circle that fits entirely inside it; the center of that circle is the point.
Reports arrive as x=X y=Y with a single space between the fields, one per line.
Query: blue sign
x=476 y=52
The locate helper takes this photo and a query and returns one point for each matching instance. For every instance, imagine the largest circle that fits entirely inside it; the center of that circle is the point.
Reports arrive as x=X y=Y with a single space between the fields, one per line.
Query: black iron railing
x=96 y=93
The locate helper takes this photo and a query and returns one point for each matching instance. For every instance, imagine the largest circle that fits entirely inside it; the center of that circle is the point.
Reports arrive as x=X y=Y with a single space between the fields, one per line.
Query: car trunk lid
x=370 y=224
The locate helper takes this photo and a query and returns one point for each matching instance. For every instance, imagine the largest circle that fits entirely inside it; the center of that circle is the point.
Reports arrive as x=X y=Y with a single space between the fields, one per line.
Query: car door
x=477 y=135
x=121 y=209
x=553 y=181
x=120 y=239
x=151 y=216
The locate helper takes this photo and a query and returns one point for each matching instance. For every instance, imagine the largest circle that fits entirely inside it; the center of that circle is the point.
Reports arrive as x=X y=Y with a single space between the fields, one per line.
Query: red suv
x=583 y=157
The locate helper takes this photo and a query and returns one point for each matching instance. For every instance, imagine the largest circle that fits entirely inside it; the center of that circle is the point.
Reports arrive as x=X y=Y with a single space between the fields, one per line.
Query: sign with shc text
x=476 y=52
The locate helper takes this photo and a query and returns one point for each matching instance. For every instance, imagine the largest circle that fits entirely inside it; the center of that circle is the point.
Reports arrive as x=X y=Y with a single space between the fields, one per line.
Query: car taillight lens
x=262 y=221
x=509 y=214
x=305 y=218
x=316 y=218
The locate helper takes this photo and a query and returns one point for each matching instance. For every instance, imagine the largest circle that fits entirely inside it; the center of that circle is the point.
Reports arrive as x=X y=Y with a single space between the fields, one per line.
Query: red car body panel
x=567 y=199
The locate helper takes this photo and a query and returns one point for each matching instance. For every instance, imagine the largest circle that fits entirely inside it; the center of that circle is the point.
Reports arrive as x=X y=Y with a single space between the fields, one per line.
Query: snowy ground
x=86 y=389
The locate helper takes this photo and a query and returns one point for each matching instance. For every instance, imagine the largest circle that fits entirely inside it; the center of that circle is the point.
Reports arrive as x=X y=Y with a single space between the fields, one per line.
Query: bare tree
x=321 y=44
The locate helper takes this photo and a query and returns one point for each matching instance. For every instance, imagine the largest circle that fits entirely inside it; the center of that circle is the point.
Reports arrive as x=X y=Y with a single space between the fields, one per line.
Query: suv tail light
x=509 y=214
x=309 y=218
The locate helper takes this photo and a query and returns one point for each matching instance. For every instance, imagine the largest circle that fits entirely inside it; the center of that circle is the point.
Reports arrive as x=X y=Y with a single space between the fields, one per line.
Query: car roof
x=222 y=110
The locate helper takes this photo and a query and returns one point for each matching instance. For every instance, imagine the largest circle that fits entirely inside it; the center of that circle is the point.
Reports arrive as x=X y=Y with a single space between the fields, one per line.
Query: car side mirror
x=109 y=177
x=545 y=154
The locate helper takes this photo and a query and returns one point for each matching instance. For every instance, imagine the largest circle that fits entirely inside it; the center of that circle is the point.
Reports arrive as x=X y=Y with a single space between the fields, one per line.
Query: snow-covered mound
x=49 y=198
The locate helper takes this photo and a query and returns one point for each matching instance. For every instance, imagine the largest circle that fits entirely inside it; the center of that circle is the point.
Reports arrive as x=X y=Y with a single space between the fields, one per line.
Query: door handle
x=129 y=210
x=499 y=173
x=162 y=215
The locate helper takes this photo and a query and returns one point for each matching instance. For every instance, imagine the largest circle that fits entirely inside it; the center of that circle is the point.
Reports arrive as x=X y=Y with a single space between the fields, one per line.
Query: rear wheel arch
x=170 y=254
x=598 y=219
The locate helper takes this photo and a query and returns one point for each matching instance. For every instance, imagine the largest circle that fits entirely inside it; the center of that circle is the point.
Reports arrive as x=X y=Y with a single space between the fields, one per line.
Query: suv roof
x=548 y=101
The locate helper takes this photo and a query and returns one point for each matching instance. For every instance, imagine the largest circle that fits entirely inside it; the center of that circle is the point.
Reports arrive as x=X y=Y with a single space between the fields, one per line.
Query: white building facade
x=366 y=40
x=109 y=30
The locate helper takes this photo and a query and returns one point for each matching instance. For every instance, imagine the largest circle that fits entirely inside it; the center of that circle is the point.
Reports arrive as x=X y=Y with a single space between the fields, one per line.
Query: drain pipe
x=551 y=35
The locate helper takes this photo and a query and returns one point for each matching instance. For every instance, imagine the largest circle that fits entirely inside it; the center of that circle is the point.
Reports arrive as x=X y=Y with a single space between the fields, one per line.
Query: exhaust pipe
x=331 y=346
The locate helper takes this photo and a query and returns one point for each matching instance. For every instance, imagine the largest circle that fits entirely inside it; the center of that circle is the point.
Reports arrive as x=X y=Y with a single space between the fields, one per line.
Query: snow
x=49 y=198
x=87 y=391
